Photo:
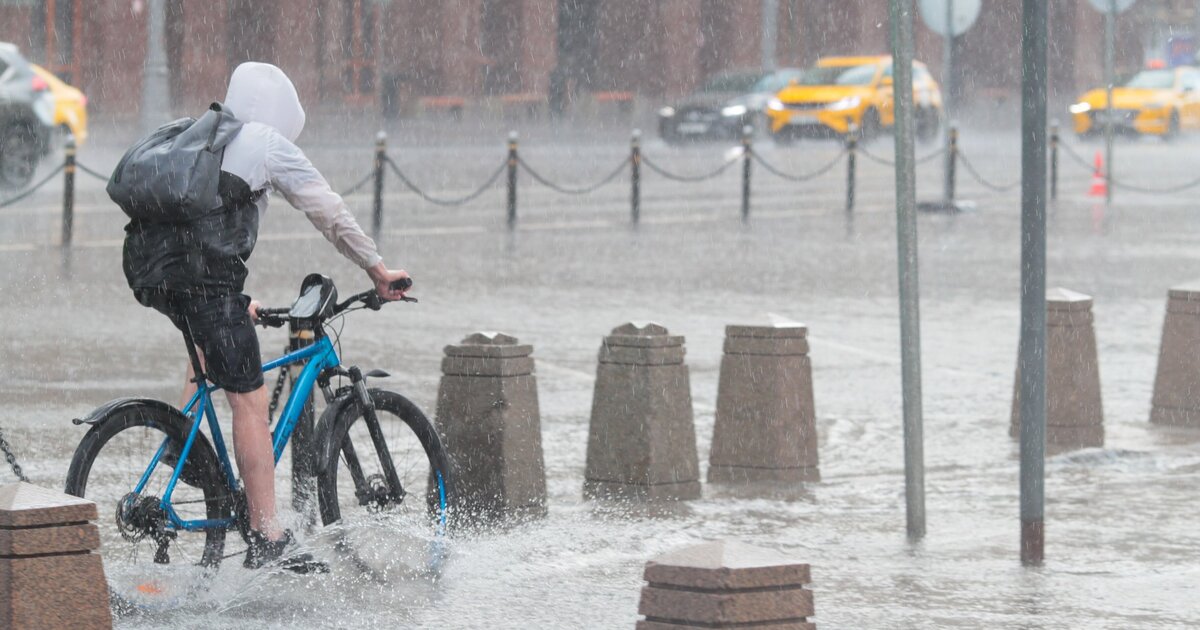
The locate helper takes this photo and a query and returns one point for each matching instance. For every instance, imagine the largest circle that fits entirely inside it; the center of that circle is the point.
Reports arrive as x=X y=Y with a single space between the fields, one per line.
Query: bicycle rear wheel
x=386 y=522
x=106 y=468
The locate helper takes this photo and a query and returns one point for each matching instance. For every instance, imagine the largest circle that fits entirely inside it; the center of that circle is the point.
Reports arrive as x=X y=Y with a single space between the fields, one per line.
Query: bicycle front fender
x=107 y=410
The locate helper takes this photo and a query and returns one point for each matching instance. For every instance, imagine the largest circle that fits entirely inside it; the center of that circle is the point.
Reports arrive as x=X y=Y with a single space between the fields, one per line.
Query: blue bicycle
x=169 y=492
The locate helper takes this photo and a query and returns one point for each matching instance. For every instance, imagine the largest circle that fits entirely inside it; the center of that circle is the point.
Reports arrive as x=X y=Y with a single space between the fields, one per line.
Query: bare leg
x=256 y=458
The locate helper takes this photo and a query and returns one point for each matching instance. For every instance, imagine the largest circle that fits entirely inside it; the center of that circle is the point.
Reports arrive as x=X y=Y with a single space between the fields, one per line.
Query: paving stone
x=1176 y=399
x=641 y=432
x=488 y=417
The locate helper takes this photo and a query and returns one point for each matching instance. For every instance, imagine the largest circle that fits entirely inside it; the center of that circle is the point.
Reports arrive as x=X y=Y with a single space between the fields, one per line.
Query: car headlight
x=666 y=112
x=775 y=105
x=734 y=110
x=1080 y=108
x=850 y=102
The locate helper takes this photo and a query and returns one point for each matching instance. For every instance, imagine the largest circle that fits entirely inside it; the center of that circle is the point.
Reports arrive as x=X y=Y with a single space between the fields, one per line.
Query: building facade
x=385 y=55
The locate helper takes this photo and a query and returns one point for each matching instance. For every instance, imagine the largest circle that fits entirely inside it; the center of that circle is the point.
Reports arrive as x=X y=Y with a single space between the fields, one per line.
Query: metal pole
x=851 y=159
x=68 y=220
x=1109 y=44
x=512 y=180
x=156 y=93
x=1054 y=161
x=380 y=158
x=635 y=177
x=951 y=164
x=948 y=100
x=770 y=33
x=746 y=149
x=901 y=19
x=1032 y=354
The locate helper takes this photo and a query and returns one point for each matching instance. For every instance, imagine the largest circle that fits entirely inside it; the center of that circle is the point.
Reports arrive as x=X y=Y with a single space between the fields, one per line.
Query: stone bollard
x=765 y=426
x=1177 y=383
x=487 y=413
x=726 y=585
x=49 y=577
x=1074 y=413
x=641 y=440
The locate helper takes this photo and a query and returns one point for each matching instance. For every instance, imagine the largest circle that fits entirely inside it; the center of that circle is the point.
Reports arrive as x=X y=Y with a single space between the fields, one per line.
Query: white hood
x=262 y=93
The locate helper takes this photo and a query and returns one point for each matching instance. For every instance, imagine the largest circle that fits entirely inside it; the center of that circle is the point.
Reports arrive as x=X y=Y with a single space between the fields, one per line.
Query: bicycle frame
x=319 y=356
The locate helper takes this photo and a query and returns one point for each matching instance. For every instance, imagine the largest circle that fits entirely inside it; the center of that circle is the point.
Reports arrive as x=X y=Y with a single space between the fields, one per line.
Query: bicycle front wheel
x=148 y=561
x=387 y=490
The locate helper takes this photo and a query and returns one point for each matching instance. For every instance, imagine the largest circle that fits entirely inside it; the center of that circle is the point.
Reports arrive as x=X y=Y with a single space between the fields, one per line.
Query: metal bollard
x=380 y=158
x=635 y=176
x=746 y=149
x=851 y=166
x=512 y=180
x=951 y=163
x=1054 y=161
x=68 y=220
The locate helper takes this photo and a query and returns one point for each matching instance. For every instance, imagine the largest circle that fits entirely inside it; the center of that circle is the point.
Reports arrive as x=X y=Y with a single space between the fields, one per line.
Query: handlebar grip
x=403 y=284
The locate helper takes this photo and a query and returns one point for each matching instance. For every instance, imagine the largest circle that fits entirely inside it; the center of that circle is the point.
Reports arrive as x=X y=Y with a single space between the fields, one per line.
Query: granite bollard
x=49 y=577
x=487 y=414
x=1177 y=381
x=641 y=439
x=765 y=426
x=1074 y=412
x=726 y=585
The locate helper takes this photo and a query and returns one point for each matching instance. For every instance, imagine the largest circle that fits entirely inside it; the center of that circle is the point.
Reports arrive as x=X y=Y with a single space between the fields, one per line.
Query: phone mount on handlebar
x=317 y=301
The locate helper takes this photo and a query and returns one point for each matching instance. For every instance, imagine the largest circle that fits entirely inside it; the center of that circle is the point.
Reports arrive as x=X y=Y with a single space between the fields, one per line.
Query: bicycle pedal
x=304 y=565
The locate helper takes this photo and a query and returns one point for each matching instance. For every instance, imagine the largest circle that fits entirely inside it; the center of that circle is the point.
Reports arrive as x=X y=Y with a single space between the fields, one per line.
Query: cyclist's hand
x=383 y=277
x=253 y=309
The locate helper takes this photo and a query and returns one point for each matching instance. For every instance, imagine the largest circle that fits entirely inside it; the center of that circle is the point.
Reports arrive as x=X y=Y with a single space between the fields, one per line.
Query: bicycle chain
x=277 y=393
x=12 y=458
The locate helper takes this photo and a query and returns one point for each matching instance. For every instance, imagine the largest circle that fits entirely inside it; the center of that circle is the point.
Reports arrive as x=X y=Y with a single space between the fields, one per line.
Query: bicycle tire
x=331 y=438
x=146 y=425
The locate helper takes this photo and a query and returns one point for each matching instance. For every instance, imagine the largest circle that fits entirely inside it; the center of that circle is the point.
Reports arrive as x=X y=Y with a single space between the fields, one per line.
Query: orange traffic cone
x=1099 y=182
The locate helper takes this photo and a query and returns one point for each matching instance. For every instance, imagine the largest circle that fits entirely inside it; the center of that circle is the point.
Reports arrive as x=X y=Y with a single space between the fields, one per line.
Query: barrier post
x=380 y=158
x=951 y=164
x=68 y=220
x=851 y=159
x=1054 y=161
x=635 y=176
x=512 y=180
x=746 y=149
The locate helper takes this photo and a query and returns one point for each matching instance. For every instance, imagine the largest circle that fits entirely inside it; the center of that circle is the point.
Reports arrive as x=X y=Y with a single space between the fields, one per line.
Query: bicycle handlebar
x=277 y=317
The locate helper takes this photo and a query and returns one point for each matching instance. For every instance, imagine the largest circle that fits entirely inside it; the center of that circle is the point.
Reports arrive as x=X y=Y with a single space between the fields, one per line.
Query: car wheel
x=18 y=155
x=870 y=125
x=1172 y=127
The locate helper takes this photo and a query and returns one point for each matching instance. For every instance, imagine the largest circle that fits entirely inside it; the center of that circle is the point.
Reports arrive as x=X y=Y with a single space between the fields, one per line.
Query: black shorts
x=221 y=327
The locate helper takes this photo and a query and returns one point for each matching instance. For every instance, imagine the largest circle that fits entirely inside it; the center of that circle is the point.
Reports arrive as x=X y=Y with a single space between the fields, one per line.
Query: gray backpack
x=171 y=175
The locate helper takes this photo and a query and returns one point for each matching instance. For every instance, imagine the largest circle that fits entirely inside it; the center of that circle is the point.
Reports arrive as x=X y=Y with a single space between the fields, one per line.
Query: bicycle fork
x=394 y=491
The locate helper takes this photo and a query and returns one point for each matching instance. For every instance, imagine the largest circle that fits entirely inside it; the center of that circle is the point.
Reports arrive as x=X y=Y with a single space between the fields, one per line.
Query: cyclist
x=195 y=274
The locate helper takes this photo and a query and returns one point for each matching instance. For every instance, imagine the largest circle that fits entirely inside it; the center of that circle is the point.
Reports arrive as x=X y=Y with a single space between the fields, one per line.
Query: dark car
x=26 y=118
x=727 y=103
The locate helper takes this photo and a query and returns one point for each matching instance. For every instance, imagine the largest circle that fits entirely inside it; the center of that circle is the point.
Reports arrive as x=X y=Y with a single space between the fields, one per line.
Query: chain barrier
x=91 y=172
x=888 y=162
x=12 y=458
x=754 y=155
x=1082 y=162
x=353 y=189
x=970 y=168
x=32 y=189
x=690 y=178
x=574 y=191
x=458 y=201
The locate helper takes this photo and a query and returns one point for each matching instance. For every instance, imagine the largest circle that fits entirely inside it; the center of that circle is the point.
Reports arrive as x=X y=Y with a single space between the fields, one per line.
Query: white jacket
x=264 y=156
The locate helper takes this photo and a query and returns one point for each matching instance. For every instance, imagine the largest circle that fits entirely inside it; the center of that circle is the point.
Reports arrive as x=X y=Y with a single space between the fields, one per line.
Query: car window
x=739 y=83
x=776 y=81
x=838 y=75
x=1152 y=79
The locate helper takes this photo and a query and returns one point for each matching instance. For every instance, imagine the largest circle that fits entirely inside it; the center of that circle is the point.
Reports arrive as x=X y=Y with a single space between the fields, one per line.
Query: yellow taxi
x=844 y=94
x=1155 y=101
x=70 y=104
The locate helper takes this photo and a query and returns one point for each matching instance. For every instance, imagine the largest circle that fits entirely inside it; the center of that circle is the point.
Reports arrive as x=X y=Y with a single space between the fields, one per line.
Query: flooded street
x=1121 y=536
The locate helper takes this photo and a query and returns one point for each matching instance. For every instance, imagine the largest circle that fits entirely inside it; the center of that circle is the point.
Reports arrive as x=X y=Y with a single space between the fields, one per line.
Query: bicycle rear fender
x=105 y=411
